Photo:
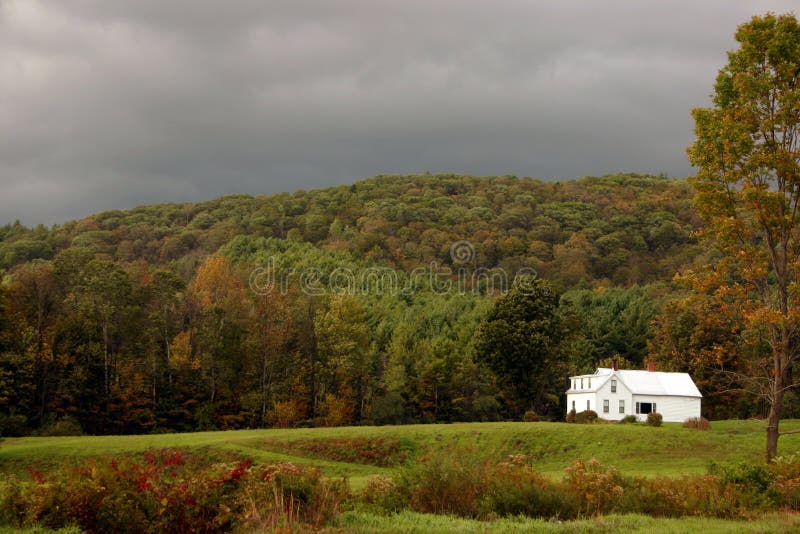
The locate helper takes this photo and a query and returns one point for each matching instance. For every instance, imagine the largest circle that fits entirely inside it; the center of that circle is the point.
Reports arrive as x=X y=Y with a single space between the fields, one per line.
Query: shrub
x=697 y=423
x=169 y=491
x=13 y=425
x=654 y=419
x=785 y=486
x=752 y=477
x=287 y=496
x=65 y=426
x=285 y=414
x=334 y=411
x=597 y=487
x=628 y=419
x=533 y=417
x=571 y=415
x=381 y=491
x=586 y=417
x=703 y=495
x=388 y=409
x=514 y=488
x=443 y=482
x=485 y=408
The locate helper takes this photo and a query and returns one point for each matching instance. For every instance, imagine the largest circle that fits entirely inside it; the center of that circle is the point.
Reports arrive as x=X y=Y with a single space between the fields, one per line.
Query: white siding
x=673 y=409
x=580 y=401
x=652 y=387
x=604 y=393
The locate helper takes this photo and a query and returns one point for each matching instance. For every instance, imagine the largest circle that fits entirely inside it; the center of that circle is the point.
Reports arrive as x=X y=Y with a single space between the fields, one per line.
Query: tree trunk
x=773 y=420
x=313 y=357
x=105 y=357
x=167 y=364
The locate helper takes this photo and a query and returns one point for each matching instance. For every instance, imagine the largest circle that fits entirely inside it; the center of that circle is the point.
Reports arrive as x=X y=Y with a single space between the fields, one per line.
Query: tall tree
x=34 y=295
x=747 y=152
x=219 y=294
x=521 y=340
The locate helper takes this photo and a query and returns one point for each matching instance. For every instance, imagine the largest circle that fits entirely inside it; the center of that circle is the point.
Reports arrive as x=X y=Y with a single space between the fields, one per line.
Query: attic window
x=613 y=385
x=581 y=383
x=590 y=383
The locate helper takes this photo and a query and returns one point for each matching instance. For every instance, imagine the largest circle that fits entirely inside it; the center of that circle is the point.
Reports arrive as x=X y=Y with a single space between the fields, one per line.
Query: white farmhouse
x=615 y=393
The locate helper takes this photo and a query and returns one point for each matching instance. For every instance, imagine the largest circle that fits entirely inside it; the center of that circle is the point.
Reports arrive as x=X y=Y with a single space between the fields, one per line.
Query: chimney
x=651 y=365
x=615 y=365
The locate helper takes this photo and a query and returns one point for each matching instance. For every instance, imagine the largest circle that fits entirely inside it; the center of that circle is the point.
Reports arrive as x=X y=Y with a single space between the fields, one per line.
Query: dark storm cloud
x=109 y=104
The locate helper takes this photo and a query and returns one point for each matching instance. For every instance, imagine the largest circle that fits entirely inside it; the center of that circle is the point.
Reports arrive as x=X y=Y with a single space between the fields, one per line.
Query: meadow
x=359 y=453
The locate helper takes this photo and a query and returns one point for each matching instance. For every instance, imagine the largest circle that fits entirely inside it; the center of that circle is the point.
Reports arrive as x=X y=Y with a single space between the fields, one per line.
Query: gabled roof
x=655 y=382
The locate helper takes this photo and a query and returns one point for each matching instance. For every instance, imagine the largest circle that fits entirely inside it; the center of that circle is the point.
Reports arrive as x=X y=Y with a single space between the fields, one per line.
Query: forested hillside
x=146 y=319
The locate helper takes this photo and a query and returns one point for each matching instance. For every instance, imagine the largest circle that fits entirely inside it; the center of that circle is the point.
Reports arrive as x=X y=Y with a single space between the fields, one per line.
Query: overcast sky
x=110 y=104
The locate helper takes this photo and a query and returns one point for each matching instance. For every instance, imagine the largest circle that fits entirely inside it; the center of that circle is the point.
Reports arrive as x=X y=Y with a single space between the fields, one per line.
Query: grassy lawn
x=412 y=523
x=634 y=449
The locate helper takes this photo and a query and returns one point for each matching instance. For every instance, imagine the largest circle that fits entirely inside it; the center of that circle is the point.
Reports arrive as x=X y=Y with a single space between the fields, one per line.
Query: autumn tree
x=34 y=295
x=219 y=296
x=343 y=343
x=747 y=154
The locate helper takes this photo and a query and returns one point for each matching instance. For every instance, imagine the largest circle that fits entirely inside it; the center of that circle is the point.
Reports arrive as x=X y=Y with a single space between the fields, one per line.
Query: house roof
x=655 y=382
x=646 y=382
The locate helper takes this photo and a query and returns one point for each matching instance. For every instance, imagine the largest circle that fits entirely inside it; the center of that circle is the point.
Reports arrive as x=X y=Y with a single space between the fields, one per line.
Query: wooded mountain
x=614 y=230
x=144 y=320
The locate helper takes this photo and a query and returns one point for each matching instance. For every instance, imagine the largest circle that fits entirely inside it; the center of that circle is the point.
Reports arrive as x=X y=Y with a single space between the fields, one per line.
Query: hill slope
x=148 y=319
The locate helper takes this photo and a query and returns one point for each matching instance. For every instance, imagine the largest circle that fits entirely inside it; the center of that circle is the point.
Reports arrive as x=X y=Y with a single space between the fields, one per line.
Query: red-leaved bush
x=168 y=491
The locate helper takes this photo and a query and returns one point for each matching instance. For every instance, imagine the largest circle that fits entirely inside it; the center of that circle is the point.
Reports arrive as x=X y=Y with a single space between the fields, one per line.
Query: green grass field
x=635 y=449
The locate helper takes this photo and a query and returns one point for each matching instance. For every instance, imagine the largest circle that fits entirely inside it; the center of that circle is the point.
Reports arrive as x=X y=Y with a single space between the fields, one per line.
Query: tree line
x=120 y=341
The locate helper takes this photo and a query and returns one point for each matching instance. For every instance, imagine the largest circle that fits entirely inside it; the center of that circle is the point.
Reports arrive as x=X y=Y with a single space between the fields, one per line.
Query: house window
x=613 y=385
x=573 y=406
x=645 y=407
x=622 y=406
x=587 y=404
x=590 y=383
x=581 y=383
x=605 y=405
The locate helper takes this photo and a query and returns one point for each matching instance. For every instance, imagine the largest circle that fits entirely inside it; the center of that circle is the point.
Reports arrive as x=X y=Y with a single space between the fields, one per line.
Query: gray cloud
x=109 y=104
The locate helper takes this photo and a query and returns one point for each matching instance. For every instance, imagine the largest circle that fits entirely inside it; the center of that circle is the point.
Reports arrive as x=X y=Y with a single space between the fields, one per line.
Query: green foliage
x=749 y=476
x=451 y=482
x=521 y=341
x=143 y=320
x=443 y=483
x=514 y=488
x=629 y=419
x=64 y=426
x=610 y=322
x=586 y=417
x=654 y=419
x=13 y=425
